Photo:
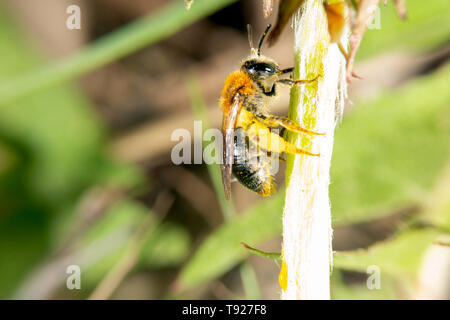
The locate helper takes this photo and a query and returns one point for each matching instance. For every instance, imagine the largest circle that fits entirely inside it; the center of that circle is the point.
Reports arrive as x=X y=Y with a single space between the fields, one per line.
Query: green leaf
x=128 y=39
x=222 y=249
x=400 y=256
x=53 y=140
x=390 y=152
x=270 y=255
x=167 y=246
x=52 y=143
x=105 y=242
x=437 y=205
x=418 y=32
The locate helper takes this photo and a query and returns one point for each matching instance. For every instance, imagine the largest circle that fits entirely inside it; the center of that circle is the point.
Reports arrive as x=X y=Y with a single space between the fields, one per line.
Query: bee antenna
x=262 y=38
x=250 y=36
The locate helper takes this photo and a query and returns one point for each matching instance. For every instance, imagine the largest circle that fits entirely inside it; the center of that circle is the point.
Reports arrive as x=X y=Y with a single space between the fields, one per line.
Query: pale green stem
x=307 y=252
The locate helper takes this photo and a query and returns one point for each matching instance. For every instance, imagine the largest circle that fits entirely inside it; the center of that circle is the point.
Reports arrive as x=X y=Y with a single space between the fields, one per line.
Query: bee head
x=257 y=66
x=260 y=68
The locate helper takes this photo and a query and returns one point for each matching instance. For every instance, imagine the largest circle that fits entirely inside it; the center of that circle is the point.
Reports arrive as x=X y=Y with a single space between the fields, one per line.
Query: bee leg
x=291 y=82
x=272 y=142
x=261 y=147
x=290 y=148
x=275 y=121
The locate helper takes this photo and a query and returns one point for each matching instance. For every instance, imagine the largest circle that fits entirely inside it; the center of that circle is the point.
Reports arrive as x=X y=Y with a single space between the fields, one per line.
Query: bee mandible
x=244 y=100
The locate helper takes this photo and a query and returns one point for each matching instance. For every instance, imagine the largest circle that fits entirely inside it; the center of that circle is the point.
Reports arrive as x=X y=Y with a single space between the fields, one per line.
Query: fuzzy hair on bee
x=246 y=96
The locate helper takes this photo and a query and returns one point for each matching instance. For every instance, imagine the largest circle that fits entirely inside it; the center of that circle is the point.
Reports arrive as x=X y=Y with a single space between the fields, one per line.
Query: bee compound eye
x=250 y=66
x=264 y=67
x=259 y=67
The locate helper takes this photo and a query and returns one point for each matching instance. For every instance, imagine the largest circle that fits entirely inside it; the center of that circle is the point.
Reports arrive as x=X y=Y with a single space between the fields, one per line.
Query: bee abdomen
x=251 y=170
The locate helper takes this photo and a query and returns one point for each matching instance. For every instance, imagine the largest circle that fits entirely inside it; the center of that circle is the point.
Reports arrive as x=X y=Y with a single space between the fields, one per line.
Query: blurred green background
x=86 y=177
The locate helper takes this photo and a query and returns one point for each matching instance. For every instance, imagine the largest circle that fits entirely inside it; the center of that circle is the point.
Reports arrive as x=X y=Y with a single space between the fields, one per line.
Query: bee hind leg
x=269 y=141
x=295 y=150
x=287 y=147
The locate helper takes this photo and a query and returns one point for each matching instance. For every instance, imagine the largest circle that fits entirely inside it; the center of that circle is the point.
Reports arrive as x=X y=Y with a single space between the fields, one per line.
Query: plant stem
x=307 y=232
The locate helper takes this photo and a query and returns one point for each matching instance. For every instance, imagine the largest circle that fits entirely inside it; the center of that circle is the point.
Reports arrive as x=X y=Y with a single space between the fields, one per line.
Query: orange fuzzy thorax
x=237 y=82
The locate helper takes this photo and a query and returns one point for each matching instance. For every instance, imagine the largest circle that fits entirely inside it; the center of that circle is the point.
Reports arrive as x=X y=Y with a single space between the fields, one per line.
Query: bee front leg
x=291 y=82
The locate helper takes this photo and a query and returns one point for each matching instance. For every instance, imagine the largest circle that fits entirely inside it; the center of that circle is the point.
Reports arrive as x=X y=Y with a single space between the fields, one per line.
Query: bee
x=247 y=125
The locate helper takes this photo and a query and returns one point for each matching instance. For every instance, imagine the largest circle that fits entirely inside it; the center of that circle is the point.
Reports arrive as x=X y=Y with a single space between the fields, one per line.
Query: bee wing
x=228 y=126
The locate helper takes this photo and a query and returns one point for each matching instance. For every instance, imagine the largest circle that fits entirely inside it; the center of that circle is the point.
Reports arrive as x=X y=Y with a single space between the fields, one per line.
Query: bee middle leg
x=275 y=121
x=272 y=142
